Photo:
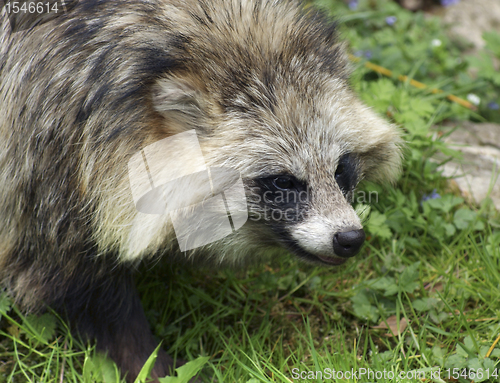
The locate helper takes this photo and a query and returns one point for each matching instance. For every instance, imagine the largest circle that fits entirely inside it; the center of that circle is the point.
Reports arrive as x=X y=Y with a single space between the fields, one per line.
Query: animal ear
x=175 y=97
x=382 y=162
x=377 y=143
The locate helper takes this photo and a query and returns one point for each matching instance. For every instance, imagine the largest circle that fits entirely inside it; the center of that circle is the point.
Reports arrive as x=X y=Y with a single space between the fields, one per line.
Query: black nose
x=347 y=244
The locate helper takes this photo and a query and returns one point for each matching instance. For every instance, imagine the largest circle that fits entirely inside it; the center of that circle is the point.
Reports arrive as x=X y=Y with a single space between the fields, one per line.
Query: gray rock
x=477 y=175
x=468 y=19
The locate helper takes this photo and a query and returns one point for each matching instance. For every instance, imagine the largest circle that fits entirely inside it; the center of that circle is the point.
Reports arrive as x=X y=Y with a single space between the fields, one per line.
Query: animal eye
x=340 y=169
x=346 y=173
x=283 y=183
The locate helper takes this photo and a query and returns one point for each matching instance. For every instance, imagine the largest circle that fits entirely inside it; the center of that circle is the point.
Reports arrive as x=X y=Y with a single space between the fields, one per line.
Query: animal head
x=266 y=87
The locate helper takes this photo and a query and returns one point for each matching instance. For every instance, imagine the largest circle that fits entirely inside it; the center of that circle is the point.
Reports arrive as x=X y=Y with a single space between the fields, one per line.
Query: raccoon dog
x=264 y=86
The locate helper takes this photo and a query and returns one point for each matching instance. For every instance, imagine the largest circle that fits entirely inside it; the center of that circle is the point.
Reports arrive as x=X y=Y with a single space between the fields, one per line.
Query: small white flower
x=473 y=98
x=436 y=43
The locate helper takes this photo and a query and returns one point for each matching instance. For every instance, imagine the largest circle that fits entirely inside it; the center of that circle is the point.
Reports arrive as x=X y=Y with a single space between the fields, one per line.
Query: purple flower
x=391 y=20
x=360 y=53
x=433 y=195
x=353 y=5
x=493 y=106
x=447 y=3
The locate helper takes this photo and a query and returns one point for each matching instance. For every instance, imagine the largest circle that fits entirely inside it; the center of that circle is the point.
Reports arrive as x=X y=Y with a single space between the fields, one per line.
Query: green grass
x=430 y=271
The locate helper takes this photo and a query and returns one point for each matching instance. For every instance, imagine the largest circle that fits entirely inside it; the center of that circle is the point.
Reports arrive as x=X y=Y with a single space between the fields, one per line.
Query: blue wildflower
x=353 y=5
x=447 y=3
x=433 y=195
x=360 y=53
x=391 y=20
x=493 y=106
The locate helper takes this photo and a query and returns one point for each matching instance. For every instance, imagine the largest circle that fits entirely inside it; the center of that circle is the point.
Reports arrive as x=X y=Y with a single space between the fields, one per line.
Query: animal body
x=264 y=84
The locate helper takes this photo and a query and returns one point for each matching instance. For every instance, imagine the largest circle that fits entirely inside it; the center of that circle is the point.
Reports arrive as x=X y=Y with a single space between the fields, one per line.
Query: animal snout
x=347 y=244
